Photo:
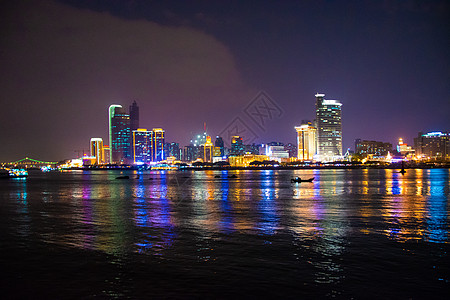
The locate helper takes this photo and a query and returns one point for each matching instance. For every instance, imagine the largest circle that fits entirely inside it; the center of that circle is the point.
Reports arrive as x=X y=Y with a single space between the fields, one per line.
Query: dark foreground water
x=349 y=234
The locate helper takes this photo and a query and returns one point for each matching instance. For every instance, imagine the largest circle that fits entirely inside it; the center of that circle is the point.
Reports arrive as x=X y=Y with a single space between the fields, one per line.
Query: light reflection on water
x=159 y=213
x=413 y=206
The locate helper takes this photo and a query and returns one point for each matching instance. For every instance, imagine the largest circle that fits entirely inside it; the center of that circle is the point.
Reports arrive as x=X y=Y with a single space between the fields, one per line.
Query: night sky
x=62 y=63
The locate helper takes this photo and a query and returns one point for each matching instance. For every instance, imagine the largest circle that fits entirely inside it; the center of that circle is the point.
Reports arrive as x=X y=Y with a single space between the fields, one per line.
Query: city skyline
x=386 y=62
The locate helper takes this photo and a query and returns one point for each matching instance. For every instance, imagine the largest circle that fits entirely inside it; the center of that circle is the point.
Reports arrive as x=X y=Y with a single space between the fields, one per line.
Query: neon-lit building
x=329 y=128
x=237 y=146
x=107 y=153
x=172 y=150
x=220 y=144
x=433 y=145
x=306 y=142
x=142 y=146
x=97 y=150
x=157 y=144
x=245 y=160
x=208 y=149
x=119 y=135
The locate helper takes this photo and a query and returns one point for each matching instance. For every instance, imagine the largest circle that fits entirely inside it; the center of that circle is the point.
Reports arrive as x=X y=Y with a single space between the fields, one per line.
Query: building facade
x=97 y=150
x=433 y=145
x=142 y=146
x=208 y=150
x=364 y=148
x=134 y=116
x=172 y=149
x=306 y=142
x=237 y=146
x=329 y=128
x=220 y=144
x=119 y=134
x=157 y=144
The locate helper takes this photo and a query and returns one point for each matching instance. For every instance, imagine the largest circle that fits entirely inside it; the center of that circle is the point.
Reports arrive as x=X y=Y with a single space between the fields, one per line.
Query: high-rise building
x=172 y=149
x=191 y=153
x=220 y=144
x=329 y=128
x=119 y=134
x=142 y=146
x=134 y=116
x=237 y=146
x=199 y=139
x=306 y=142
x=433 y=145
x=157 y=146
x=97 y=150
x=107 y=154
x=208 y=149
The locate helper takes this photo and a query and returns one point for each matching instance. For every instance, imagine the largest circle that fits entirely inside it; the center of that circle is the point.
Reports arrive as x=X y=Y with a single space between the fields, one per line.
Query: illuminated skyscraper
x=306 y=141
x=97 y=150
x=107 y=154
x=190 y=153
x=208 y=149
x=329 y=128
x=237 y=146
x=172 y=149
x=141 y=146
x=220 y=144
x=157 y=144
x=134 y=116
x=119 y=134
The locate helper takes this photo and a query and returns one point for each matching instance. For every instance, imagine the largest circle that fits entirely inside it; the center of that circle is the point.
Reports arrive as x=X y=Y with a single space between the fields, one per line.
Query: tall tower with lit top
x=329 y=127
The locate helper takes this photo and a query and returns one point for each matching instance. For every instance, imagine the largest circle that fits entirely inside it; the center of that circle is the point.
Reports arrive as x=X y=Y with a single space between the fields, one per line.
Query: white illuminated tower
x=329 y=128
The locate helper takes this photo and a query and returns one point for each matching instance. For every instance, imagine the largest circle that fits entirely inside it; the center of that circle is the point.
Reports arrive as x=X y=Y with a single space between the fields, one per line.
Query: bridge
x=29 y=163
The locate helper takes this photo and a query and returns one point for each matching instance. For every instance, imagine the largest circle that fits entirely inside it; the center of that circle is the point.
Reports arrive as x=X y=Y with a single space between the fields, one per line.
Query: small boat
x=217 y=176
x=232 y=176
x=298 y=179
x=123 y=177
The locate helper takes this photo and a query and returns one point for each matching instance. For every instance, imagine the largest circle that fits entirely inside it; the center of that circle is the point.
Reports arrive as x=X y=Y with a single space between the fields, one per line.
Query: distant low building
x=404 y=149
x=277 y=153
x=433 y=145
x=365 y=147
x=291 y=149
x=245 y=160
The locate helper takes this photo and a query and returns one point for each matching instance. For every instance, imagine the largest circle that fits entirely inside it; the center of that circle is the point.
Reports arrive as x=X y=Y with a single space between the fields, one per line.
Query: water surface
x=200 y=234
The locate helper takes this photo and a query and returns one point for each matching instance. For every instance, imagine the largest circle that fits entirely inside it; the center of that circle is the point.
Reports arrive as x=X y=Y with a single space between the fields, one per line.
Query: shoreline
x=271 y=168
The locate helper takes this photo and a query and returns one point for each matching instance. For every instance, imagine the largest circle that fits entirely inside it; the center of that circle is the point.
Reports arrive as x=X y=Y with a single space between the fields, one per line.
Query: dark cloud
x=62 y=67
